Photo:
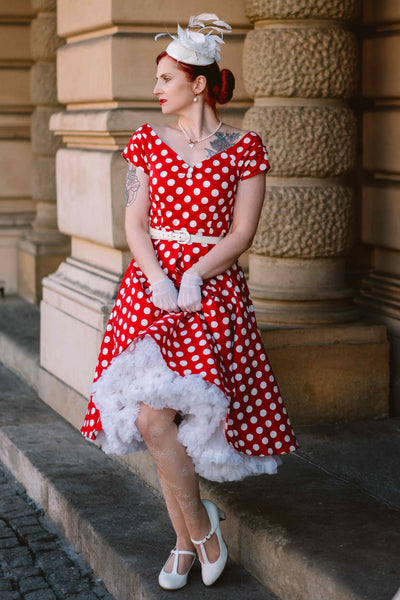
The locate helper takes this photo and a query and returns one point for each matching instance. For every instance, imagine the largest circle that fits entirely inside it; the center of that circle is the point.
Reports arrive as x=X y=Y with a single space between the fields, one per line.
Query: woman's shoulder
x=142 y=130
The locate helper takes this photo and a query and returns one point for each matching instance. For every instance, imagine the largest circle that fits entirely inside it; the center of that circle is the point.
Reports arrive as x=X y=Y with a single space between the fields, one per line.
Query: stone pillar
x=301 y=66
x=16 y=206
x=44 y=247
x=379 y=296
x=106 y=74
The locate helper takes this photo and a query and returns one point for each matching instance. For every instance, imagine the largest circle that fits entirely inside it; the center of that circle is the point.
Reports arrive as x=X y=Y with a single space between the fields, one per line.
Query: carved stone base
x=36 y=259
x=10 y=236
x=295 y=291
x=330 y=374
x=77 y=300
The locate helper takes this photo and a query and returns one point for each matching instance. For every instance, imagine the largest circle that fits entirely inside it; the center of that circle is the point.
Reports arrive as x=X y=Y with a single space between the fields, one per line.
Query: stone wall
x=301 y=65
x=379 y=295
x=16 y=206
x=43 y=247
x=106 y=71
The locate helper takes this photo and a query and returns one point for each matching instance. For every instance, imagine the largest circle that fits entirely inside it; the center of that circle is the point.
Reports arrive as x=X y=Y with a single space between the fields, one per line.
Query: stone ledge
x=19 y=338
x=92 y=499
x=75 y=16
x=274 y=526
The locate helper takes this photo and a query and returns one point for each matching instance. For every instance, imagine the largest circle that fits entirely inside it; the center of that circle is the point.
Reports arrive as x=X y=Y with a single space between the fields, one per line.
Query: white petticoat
x=140 y=375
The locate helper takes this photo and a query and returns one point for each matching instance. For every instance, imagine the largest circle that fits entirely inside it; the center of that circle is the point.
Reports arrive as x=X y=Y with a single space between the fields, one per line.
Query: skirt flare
x=140 y=375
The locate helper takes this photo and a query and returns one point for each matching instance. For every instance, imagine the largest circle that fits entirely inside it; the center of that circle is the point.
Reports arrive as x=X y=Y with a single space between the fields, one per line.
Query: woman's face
x=173 y=89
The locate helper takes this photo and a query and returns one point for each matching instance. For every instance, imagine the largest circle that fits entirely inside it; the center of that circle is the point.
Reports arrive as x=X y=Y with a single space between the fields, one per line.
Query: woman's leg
x=183 y=541
x=177 y=477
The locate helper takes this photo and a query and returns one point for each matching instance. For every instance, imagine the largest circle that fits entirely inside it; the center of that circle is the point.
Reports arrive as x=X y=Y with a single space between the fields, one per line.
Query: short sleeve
x=135 y=150
x=254 y=159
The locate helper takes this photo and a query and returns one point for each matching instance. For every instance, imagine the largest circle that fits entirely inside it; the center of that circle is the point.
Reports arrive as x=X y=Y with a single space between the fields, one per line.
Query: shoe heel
x=221 y=515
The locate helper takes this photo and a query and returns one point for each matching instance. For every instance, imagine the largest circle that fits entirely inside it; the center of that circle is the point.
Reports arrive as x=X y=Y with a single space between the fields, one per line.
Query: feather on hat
x=193 y=47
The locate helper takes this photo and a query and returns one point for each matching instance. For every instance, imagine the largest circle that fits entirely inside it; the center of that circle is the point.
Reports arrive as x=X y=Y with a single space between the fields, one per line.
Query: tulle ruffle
x=140 y=375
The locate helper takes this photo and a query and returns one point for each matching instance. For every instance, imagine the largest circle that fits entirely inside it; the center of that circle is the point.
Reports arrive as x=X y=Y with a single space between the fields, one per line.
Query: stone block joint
x=344 y=10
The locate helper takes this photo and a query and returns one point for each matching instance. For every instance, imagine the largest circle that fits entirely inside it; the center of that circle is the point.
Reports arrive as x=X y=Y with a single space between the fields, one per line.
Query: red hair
x=220 y=84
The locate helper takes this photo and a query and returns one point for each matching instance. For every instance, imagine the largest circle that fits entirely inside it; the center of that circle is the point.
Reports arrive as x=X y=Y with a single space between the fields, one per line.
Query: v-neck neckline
x=199 y=164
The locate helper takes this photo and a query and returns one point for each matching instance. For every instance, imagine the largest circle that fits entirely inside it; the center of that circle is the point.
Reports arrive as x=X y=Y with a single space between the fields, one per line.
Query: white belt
x=182 y=236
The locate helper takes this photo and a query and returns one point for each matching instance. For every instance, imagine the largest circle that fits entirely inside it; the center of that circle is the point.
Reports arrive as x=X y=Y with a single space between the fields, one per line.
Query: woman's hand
x=164 y=295
x=189 y=298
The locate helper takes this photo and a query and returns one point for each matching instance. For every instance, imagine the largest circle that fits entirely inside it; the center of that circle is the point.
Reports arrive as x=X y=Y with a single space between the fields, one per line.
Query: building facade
x=317 y=79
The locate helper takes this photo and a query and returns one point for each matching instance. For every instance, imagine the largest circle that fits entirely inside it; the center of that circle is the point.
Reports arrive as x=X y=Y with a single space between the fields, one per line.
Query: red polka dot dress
x=209 y=365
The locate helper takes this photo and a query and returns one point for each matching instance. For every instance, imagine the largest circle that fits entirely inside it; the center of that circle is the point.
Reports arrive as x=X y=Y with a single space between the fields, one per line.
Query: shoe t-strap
x=176 y=554
x=203 y=541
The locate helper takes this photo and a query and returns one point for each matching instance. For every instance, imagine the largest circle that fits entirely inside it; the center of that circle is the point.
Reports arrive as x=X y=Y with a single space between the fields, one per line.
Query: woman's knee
x=153 y=424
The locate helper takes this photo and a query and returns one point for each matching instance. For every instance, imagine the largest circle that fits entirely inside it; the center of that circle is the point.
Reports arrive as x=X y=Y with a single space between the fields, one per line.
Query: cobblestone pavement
x=36 y=561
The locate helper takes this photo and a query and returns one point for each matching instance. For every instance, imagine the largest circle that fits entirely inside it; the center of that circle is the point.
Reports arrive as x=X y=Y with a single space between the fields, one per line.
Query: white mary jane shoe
x=174 y=580
x=211 y=571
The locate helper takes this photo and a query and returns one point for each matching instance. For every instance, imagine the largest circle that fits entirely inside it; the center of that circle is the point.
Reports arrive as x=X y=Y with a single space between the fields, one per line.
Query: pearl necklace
x=193 y=142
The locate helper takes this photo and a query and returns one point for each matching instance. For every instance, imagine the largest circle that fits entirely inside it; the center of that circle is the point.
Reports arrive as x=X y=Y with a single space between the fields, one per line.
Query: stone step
x=19 y=338
x=116 y=522
x=326 y=528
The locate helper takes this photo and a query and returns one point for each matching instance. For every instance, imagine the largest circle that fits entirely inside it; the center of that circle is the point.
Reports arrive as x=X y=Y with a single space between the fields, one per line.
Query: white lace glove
x=164 y=295
x=189 y=298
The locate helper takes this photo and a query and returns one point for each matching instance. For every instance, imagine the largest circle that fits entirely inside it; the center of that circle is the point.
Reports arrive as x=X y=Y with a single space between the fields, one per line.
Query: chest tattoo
x=221 y=142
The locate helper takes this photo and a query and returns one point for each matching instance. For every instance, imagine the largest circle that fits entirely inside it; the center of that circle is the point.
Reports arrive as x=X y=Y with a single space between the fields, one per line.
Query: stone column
x=44 y=247
x=301 y=66
x=106 y=74
x=16 y=206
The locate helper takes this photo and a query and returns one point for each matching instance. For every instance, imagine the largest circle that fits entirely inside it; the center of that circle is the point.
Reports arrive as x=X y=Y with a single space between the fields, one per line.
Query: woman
x=189 y=376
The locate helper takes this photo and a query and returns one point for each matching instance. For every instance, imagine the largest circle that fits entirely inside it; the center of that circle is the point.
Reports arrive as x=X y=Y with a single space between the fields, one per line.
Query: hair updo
x=220 y=84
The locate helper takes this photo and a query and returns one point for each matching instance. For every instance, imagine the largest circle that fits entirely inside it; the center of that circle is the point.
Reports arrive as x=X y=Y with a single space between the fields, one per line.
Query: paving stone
x=17 y=557
x=40 y=595
x=26 y=520
x=13 y=596
x=36 y=562
x=41 y=547
x=68 y=582
x=26 y=530
x=12 y=512
x=52 y=561
x=89 y=596
x=43 y=536
x=31 y=584
x=20 y=572
x=5 y=585
x=5 y=530
x=9 y=542
x=100 y=591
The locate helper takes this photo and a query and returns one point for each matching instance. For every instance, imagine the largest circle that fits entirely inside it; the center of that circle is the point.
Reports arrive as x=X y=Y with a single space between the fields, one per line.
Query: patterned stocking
x=178 y=480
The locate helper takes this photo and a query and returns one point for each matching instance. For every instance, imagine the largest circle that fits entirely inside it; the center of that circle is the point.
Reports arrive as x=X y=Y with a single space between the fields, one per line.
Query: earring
x=195 y=99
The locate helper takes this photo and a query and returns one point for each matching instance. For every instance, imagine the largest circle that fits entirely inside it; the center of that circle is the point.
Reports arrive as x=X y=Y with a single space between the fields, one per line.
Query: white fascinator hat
x=192 y=46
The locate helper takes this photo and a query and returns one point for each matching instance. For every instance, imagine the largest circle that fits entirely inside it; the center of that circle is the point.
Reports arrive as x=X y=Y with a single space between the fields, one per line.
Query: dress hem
x=140 y=375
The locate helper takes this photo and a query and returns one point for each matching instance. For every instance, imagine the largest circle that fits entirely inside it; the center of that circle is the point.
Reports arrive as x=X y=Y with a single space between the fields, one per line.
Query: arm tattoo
x=132 y=185
x=222 y=141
